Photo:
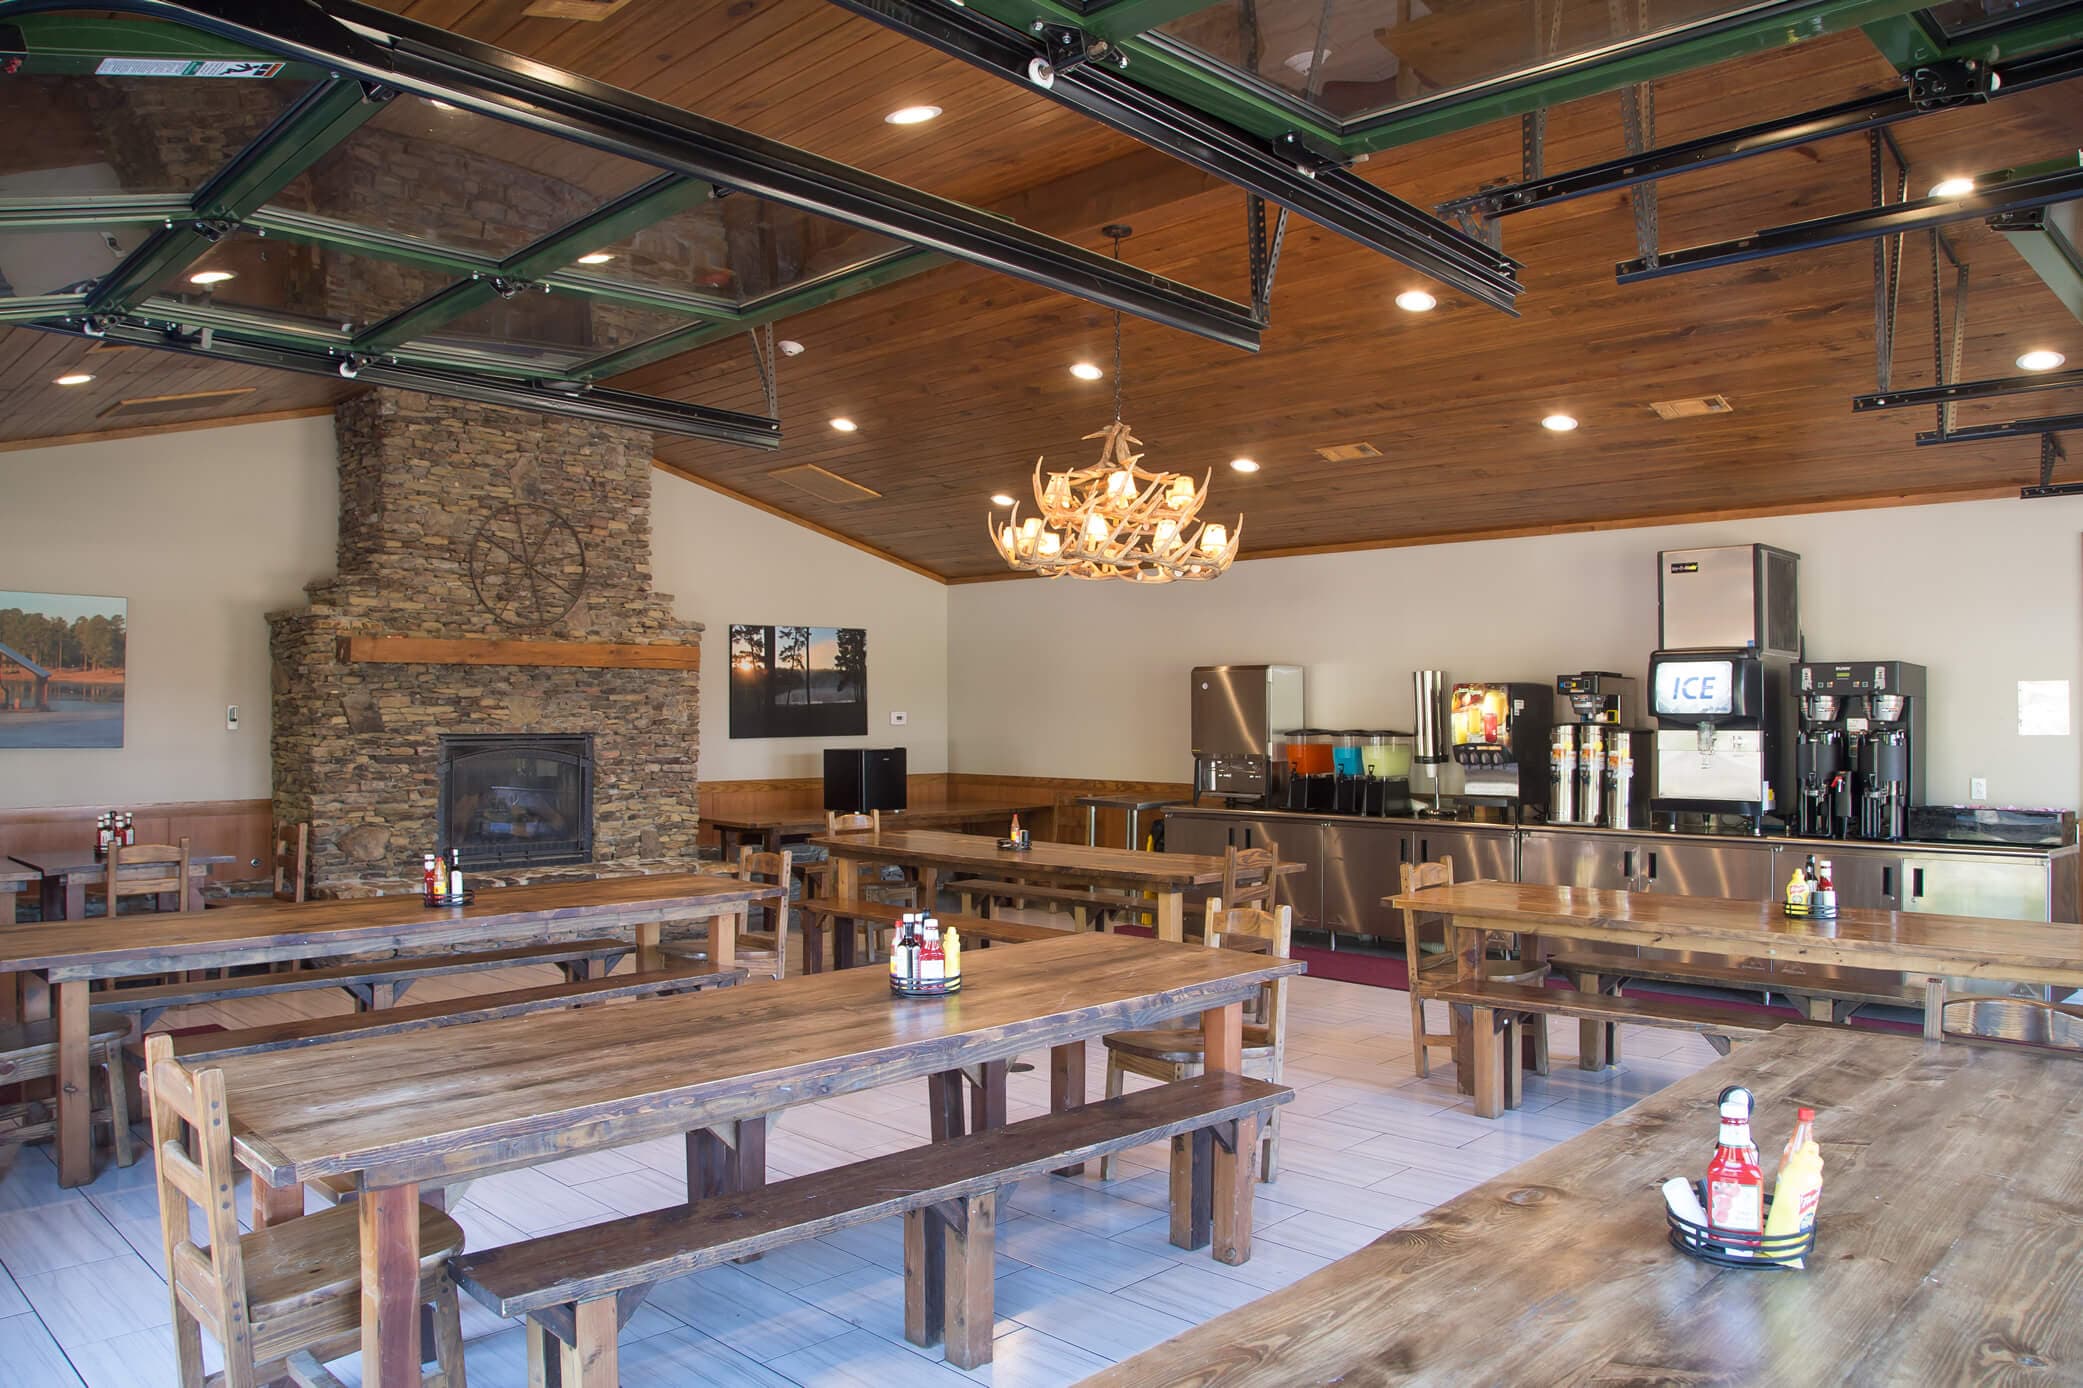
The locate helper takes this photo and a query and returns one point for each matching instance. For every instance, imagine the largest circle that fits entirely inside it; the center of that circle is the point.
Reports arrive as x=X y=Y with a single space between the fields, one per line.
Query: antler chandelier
x=1116 y=518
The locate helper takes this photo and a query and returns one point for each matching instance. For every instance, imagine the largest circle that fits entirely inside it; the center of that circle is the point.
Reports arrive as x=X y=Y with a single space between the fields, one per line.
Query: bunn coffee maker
x=1858 y=761
x=1598 y=756
x=1721 y=682
x=1500 y=736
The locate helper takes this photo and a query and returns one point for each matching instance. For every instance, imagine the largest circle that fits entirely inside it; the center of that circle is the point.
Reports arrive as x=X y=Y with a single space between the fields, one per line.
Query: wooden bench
x=1492 y=1008
x=361 y=981
x=484 y=1007
x=578 y=1287
x=1078 y=899
x=880 y=915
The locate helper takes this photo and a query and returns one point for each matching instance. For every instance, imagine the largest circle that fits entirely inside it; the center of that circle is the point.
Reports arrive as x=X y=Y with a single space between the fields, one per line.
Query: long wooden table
x=63 y=894
x=423 y=1108
x=768 y=832
x=1165 y=875
x=48 y=967
x=1944 y=1250
x=1934 y=947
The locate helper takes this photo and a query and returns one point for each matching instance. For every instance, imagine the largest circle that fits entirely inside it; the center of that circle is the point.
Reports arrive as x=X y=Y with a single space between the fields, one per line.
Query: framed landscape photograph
x=798 y=681
x=61 y=670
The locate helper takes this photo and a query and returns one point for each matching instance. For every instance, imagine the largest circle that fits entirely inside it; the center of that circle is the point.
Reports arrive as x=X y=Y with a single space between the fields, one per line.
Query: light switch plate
x=898 y=720
x=231 y=718
x=1978 y=788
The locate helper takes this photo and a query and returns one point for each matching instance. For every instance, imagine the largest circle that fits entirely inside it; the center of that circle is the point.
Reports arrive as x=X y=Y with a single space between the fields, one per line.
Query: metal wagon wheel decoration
x=527 y=565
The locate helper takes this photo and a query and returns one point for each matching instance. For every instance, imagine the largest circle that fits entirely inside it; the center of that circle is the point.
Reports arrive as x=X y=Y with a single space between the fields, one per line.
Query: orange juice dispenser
x=1500 y=736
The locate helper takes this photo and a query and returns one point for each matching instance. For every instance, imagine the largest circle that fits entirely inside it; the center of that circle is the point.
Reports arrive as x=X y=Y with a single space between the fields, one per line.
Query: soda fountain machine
x=1500 y=734
x=1721 y=681
x=1857 y=757
x=1598 y=753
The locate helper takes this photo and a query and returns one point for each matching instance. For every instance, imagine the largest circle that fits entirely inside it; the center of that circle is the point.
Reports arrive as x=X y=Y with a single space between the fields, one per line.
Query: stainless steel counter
x=1353 y=862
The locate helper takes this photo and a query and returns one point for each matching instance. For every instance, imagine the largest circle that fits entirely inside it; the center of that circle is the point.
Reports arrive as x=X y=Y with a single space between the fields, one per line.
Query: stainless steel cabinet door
x=1478 y=854
x=1189 y=833
x=1360 y=867
x=1292 y=841
x=1577 y=860
x=1741 y=871
x=1866 y=878
x=1953 y=884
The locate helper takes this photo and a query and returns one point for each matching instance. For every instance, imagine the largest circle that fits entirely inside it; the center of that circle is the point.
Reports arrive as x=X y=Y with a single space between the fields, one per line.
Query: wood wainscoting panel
x=1068 y=822
x=237 y=827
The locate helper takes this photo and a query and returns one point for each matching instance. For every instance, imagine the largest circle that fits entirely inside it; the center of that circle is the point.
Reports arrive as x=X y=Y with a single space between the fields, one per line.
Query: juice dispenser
x=1500 y=735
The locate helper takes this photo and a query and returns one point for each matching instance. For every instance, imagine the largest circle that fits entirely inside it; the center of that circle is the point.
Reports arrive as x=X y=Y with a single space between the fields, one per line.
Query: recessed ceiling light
x=912 y=115
x=1086 y=371
x=1416 y=301
x=1952 y=188
x=211 y=277
x=1243 y=465
x=2040 y=359
x=596 y=258
x=1001 y=499
x=1559 y=423
x=73 y=378
x=844 y=425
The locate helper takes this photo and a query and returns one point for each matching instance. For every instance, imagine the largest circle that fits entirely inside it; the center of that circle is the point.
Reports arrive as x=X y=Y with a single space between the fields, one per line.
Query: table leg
x=1134 y=822
x=50 y=898
x=846 y=886
x=76 y=897
x=390 y=1286
x=1067 y=1087
x=1171 y=916
x=10 y=999
x=1222 y=1041
x=1489 y=1060
x=1934 y=1008
x=75 y=1087
x=592 y=1362
x=723 y=939
x=648 y=934
x=1092 y=826
x=273 y=1205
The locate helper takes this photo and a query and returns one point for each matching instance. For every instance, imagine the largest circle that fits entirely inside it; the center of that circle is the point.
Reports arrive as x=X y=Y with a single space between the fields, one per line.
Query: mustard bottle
x=1799 y=1187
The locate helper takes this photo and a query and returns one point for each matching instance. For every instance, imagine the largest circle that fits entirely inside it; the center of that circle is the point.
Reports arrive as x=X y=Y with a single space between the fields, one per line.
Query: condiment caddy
x=1811 y=892
x=444 y=880
x=925 y=960
x=1017 y=839
x=1728 y=1219
x=113 y=829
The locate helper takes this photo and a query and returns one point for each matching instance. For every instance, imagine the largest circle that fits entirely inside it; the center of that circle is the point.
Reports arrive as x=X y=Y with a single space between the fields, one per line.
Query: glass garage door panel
x=441 y=174
x=129 y=134
x=62 y=261
x=550 y=330
x=309 y=286
x=738 y=248
x=1353 y=58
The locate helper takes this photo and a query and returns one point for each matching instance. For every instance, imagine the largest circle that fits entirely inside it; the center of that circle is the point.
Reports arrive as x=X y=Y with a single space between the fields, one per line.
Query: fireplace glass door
x=517 y=801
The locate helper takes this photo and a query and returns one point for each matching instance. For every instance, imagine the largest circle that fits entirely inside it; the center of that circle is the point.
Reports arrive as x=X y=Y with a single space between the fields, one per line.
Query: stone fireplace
x=471 y=536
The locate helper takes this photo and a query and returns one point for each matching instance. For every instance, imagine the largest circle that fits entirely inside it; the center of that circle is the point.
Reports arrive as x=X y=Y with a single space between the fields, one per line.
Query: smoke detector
x=790 y=347
x=1691 y=407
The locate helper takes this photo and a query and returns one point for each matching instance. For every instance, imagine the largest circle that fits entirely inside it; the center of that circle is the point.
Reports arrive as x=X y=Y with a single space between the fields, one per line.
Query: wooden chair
x=2020 y=1021
x=30 y=1052
x=171 y=878
x=1249 y=877
x=1427 y=974
x=767 y=949
x=292 y=850
x=1176 y=1053
x=817 y=877
x=279 y=1301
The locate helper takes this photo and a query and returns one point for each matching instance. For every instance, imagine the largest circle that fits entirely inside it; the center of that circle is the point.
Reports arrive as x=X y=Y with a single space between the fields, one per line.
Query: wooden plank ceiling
x=958 y=378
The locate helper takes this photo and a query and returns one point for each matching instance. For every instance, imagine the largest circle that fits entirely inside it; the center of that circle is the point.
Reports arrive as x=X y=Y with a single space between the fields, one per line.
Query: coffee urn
x=1596 y=751
x=1858 y=757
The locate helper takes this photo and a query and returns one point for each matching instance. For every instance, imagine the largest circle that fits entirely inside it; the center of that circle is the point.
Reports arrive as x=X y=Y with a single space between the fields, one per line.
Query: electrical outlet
x=898 y=720
x=231 y=718
x=1978 y=788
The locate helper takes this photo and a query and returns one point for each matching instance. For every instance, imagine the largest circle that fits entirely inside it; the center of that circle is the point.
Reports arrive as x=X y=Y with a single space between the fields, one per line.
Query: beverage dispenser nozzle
x=1705 y=733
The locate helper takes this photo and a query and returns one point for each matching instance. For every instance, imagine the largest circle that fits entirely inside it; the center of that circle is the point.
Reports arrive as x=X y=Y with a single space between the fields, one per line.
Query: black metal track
x=1844 y=118
x=418 y=58
x=1967 y=390
x=1895 y=219
x=2009 y=429
x=1328 y=195
x=597 y=404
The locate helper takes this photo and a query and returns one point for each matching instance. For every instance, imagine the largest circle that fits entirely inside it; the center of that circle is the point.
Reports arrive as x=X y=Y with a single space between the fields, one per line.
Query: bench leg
x=967 y=1263
x=1067 y=1087
x=273 y=1205
x=1934 y=1008
x=720 y=1163
x=987 y=1096
x=1487 y=1062
x=545 y=1356
x=1193 y=1188
x=591 y=1363
x=1594 y=1039
x=925 y=1276
x=1235 y=1163
x=813 y=944
x=1514 y=1061
x=944 y=1105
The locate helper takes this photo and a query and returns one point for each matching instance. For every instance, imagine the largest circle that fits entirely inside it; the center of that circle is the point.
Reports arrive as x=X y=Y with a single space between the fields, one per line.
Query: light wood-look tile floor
x=1085 y=1274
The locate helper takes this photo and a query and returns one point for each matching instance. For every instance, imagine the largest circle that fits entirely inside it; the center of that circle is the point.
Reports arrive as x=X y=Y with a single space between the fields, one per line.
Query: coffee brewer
x=1598 y=757
x=1500 y=733
x=1857 y=758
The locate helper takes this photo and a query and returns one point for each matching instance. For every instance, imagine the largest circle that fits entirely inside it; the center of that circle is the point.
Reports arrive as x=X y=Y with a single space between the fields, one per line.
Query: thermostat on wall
x=231 y=718
x=898 y=720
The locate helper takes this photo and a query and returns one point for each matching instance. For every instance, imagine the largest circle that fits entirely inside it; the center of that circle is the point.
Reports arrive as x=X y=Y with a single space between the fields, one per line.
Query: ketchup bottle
x=1735 y=1181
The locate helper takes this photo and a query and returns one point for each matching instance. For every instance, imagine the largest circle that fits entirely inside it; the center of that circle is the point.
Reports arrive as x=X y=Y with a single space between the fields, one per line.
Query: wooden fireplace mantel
x=602 y=655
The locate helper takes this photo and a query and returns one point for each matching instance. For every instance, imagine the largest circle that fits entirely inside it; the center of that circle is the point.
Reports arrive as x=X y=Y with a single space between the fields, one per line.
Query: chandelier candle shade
x=1116 y=518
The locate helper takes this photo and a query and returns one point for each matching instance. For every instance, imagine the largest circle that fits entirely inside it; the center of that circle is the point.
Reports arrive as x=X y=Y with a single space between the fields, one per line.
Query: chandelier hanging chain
x=1116 y=518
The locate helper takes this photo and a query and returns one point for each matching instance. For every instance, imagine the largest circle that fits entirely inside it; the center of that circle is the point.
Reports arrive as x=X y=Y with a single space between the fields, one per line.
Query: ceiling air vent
x=169 y=404
x=1690 y=408
x=825 y=486
x=1348 y=452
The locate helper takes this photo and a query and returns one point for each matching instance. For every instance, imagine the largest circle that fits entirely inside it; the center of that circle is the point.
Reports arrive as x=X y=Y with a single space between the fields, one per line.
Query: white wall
x=726 y=562
x=204 y=532
x=1984 y=594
